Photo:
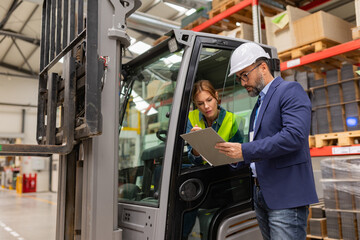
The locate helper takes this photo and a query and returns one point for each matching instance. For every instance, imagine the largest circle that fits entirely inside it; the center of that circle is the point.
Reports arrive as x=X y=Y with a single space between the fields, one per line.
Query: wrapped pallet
x=341 y=185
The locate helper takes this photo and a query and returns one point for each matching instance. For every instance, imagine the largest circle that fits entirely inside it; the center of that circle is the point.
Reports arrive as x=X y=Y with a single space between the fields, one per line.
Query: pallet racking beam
x=335 y=151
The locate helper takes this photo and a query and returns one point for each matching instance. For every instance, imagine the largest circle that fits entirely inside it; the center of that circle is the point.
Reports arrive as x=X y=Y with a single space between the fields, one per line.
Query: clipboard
x=204 y=141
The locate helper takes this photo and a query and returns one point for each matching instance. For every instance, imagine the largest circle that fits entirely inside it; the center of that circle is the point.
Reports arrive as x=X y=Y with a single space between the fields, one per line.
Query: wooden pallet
x=159 y=40
x=306 y=49
x=313 y=237
x=195 y=23
x=322 y=65
x=337 y=139
x=216 y=3
x=311 y=141
x=223 y=25
x=244 y=15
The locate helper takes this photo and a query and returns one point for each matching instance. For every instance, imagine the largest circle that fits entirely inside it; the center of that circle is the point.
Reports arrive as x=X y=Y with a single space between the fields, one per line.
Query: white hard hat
x=245 y=55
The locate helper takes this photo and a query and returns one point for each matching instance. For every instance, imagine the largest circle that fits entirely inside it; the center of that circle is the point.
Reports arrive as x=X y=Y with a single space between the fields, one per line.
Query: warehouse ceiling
x=20 y=27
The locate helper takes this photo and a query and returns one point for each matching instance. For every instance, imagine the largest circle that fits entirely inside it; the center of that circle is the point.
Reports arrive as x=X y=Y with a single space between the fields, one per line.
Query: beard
x=259 y=86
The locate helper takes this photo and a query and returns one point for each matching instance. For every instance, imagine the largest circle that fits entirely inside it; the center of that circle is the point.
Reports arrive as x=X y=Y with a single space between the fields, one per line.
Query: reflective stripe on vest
x=228 y=126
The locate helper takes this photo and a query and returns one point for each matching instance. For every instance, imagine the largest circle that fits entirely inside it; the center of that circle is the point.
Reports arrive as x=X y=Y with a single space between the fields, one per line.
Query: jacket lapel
x=265 y=103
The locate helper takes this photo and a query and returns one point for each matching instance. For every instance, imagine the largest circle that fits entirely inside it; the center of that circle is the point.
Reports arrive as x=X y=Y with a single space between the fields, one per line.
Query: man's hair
x=265 y=60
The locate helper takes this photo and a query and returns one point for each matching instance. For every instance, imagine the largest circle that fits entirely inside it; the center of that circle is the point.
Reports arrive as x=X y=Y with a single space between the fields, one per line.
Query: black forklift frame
x=60 y=38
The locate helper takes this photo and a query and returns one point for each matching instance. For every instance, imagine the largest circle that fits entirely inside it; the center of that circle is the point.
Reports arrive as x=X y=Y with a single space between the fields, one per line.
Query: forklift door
x=162 y=193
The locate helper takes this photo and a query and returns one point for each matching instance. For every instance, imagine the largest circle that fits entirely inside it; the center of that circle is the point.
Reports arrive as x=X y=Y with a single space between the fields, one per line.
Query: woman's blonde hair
x=204 y=85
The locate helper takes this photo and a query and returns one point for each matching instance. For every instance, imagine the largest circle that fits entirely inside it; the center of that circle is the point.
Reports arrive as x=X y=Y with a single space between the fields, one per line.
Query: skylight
x=172 y=59
x=176 y=7
x=191 y=11
x=139 y=47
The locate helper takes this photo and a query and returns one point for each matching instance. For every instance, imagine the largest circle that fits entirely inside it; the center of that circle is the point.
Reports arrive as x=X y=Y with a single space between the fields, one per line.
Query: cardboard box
x=244 y=31
x=321 y=26
x=152 y=88
x=355 y=32
x=281 y=35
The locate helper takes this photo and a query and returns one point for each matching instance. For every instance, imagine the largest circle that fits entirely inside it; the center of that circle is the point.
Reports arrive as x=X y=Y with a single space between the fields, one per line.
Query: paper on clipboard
x=204 y=141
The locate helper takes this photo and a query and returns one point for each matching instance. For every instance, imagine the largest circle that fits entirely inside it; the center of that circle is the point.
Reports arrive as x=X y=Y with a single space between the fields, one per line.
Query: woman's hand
x=195 y=128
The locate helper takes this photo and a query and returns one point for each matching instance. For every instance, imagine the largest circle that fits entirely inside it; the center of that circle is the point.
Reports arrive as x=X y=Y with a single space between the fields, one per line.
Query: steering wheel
x=161 y=132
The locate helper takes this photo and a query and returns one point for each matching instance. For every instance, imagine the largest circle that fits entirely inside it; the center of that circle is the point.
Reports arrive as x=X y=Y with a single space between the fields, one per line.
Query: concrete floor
x=29 y=216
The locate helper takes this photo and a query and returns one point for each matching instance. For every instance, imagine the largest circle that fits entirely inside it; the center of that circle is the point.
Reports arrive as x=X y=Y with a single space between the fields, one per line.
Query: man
x=278 y=151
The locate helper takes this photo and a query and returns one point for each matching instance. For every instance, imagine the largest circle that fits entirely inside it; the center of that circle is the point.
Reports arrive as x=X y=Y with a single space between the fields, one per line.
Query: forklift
x=124 y=171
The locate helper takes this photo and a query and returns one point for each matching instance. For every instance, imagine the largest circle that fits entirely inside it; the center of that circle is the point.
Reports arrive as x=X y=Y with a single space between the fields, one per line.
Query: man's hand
x=230 y=149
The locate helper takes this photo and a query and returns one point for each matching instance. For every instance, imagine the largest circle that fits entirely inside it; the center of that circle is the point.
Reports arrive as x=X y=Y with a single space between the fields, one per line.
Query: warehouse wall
x=18 y=91
x=23 y=91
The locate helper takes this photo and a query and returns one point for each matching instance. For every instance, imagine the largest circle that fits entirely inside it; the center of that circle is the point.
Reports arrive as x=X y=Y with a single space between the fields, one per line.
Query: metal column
x=256 y=21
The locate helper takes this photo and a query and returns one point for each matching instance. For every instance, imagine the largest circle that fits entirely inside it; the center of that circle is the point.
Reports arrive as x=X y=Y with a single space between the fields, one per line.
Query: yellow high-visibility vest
x=228 y=126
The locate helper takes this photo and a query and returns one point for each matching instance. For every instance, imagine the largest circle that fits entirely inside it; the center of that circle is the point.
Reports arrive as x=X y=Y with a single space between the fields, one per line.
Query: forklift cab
x=162 y=195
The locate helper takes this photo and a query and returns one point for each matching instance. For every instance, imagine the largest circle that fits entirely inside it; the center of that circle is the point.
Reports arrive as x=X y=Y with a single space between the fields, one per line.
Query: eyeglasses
x=244 y=77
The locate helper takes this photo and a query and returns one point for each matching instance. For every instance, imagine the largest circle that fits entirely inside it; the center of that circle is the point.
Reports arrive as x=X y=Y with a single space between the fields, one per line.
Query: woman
x=209 y=113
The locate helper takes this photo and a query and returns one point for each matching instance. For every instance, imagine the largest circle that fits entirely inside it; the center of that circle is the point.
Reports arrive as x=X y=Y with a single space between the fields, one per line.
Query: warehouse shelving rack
x=256 y=15
x=294 y=63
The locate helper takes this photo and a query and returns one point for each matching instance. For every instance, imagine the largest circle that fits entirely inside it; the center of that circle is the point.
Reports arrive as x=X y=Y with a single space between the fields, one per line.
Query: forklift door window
x=214 y=66
x=226 y=185
x=143 y=130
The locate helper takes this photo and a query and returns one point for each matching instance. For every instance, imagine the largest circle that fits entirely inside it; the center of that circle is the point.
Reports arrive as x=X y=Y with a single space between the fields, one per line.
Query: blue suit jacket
x=280 y=148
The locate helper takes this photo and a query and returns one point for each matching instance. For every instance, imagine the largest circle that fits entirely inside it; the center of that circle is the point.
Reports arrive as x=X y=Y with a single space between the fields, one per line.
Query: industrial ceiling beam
x=336 y=5
x=23 y=56
x=34 y=1
x=151 y=24
x=351 y=18
x=313 y=4
x=8 y=33
x=15 y=68
x=189 y=3
x=29 y=56
x=12 y=8
x=20 y=31
x=18 y=75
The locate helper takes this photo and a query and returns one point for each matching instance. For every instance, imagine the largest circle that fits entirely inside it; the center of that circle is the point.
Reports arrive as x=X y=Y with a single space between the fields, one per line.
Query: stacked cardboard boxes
x=317 y=221
x=243 y=31
x=295 y=28
x=334 y=98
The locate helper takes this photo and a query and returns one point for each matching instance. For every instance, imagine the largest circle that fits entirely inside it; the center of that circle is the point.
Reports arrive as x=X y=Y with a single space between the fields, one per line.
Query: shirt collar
x=266 y=89
x=220 y=118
